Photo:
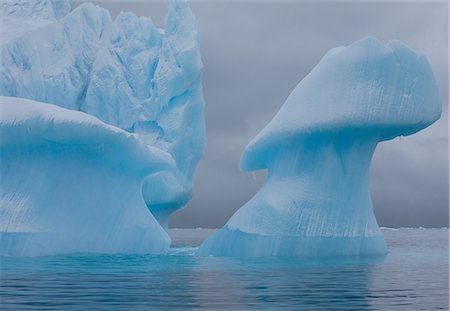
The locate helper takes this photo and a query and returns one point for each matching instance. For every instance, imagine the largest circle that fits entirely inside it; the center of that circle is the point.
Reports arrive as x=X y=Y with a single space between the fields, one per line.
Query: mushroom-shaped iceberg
x=318 y=149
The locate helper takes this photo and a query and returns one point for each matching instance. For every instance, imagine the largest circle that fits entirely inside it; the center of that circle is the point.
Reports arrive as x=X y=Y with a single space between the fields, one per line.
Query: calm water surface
x=413 y=276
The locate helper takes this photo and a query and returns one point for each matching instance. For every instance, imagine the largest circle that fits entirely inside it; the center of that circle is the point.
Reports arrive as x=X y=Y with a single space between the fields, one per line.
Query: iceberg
x=318 y=149
x=72 y=183
x=128 y=132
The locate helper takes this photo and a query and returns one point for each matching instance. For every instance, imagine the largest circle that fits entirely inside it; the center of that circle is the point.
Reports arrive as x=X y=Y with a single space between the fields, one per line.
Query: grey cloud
x=256 y=52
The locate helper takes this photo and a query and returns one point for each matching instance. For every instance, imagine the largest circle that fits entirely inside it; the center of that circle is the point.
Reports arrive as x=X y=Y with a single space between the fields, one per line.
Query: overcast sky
x=255 y=53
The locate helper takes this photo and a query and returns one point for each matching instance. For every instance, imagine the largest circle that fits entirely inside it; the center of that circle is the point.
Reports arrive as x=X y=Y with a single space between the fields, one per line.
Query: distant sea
x=414 y=275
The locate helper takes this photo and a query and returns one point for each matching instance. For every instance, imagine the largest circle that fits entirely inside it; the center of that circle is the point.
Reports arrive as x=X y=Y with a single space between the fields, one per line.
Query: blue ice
x=318 y=149
x=103 y=171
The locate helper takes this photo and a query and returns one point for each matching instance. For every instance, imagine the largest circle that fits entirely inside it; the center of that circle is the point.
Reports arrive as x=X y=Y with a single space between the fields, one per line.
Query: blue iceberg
x=318 y=149
x=103 y=171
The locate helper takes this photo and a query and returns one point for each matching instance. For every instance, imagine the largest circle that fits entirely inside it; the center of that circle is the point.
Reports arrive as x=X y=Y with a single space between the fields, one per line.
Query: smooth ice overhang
x=386 y=91
x=28 y=123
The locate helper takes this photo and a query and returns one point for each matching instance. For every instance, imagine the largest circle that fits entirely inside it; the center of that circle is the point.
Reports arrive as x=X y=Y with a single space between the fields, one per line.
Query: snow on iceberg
x=318 y=149
x=126 y=72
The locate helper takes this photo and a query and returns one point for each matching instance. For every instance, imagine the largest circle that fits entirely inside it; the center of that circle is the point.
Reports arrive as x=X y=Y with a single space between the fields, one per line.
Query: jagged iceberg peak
x=126 y=72
x=318 y=150
x=19 y=16
x=35 y=9
x=387 y=89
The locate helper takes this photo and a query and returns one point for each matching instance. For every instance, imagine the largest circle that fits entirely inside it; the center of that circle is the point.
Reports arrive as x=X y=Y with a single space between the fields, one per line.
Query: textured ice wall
x=126 y=72
x=318 y=149
x=71 y=183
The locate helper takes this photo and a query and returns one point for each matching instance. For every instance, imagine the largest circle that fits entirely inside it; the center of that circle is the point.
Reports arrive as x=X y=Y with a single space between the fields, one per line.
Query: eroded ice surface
x=133 y=77
x=72 y=183
x=318 y=149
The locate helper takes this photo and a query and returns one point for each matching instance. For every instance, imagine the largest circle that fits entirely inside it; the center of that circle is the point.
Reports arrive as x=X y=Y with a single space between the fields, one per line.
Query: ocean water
x=412 y=276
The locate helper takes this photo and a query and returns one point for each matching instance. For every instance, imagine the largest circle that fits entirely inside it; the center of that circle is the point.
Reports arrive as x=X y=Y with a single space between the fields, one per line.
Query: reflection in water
x=413 y=276
x=168 y=282
x=268 y=283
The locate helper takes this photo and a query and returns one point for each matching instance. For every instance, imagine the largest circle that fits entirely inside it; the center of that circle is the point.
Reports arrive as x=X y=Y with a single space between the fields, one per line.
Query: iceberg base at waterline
x=322 y=210
x=235 y=243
